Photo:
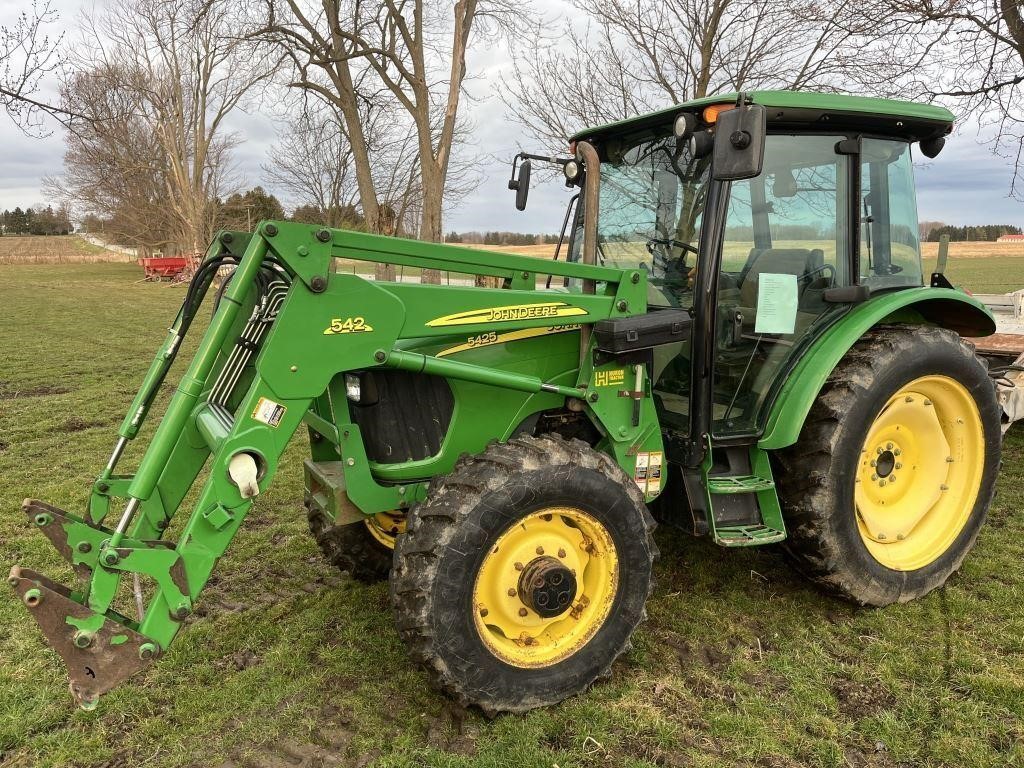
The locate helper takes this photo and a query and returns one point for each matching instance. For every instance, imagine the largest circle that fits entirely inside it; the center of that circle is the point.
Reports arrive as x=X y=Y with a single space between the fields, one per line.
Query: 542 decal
x=347 y=325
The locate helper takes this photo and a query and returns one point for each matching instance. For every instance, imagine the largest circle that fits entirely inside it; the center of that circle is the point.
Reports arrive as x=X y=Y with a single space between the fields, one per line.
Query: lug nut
x=540 y=550
x=518 y=566
x=888 y=446
x=881 y=537
x=147 y=651
x=523 y=612
x=561 y=553
x=512 y=592
x=483 y=612
x=897 y=452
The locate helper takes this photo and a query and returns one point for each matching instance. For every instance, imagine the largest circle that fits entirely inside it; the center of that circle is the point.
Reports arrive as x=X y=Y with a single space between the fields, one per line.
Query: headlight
x=352 y=388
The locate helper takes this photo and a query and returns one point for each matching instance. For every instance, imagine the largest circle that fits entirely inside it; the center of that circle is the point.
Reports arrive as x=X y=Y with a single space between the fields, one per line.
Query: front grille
x=405 y=416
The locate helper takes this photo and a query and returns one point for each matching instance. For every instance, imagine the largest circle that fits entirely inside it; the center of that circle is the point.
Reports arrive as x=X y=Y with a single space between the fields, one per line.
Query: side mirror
x=521 y=184
x=739 y=143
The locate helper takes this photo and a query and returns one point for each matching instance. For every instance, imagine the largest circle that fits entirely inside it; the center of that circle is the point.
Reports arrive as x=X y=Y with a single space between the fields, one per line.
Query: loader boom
x=285 y=327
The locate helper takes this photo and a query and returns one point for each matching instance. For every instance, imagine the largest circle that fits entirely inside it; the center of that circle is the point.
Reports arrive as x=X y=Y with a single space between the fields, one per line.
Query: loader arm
x=284 y=328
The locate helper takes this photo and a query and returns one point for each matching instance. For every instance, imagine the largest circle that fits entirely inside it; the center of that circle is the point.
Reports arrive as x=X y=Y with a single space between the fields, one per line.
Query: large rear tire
x=521 y=578
x=888 y=486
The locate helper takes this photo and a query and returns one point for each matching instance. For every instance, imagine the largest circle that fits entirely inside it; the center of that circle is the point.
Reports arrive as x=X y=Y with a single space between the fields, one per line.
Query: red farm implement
x=171 y=267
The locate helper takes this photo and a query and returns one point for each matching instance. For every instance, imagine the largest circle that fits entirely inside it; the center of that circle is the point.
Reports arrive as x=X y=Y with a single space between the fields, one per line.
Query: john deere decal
x=509 y=313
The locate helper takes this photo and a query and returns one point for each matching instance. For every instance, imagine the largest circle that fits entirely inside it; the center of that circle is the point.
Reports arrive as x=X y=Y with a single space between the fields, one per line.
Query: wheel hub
x=547 y=587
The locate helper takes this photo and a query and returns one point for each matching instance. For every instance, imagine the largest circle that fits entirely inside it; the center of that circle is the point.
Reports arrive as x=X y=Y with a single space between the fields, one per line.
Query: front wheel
x=521 y=578
x=890 y=482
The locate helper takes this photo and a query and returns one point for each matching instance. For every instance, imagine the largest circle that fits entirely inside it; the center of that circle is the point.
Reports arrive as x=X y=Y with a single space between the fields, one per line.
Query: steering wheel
x=671 y=243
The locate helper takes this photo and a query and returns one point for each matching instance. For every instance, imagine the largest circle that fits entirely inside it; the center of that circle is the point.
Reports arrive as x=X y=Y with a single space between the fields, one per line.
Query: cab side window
x=890 y=251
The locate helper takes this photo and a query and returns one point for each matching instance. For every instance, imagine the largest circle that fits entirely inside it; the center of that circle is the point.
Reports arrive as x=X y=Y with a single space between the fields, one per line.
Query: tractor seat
x=793 y=261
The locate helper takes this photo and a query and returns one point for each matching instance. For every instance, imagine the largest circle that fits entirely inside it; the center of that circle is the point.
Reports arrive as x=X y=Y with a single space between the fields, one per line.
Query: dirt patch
x=4 y=446
x=75 y=424
x=12 y=393
x=860 y=700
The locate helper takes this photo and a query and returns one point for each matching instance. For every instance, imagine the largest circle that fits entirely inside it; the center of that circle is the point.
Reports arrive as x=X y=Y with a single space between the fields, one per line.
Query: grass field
x=288 y=663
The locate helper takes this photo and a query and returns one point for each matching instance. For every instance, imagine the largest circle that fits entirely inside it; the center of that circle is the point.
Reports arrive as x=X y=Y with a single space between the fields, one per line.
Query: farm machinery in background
x=740 y=341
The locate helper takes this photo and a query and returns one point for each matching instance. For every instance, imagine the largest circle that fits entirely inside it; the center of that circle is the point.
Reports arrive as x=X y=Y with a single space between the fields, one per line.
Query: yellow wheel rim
x=551 y=555
x=919 y=474
x=385 y=526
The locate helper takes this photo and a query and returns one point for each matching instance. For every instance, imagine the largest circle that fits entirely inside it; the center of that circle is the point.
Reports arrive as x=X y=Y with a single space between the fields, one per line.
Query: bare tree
x=639 y=55
x=403 y=58
x=182 y=66
x=114 y=167
x=312 y=164
x=27 y=56
x=973 y=60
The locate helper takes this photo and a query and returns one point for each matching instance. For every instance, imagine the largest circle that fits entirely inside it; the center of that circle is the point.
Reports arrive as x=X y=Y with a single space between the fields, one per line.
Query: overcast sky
x=966 y=184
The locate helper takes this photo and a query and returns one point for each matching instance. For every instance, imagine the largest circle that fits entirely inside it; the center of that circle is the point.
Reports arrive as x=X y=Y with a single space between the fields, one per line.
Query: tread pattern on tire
x=351 y=548
x=807 y=469
x=433 y=523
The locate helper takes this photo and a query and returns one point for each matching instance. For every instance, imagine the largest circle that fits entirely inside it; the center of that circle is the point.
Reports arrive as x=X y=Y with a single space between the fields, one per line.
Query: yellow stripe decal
x=509 y=313
x=487 y=339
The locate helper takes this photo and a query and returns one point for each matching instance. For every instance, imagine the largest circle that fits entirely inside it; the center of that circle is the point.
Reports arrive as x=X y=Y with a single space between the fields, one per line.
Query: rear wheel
x=522 y=576
x=365 y=549
x=890 y=482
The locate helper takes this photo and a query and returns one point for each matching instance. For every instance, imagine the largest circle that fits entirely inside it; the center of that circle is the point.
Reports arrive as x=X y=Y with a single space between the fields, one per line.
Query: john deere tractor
x=739 y=337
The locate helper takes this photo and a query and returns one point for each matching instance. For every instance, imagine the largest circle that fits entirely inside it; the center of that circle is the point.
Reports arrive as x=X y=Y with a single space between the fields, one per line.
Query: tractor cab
x=767 y=235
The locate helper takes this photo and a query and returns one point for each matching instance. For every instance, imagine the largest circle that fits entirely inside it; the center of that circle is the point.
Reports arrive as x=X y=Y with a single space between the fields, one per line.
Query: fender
x=945 y=307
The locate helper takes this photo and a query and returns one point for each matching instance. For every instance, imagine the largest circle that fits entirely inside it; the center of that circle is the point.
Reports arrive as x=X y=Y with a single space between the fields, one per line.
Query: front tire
x=364 y=549
x=890 y=482
x=521 y=578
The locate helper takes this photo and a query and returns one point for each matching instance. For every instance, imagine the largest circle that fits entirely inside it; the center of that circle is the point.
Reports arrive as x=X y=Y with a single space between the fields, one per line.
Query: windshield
x=652 y=201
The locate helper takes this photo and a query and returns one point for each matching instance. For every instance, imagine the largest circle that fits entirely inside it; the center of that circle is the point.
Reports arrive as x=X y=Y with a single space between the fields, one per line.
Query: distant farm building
x=1010 y=239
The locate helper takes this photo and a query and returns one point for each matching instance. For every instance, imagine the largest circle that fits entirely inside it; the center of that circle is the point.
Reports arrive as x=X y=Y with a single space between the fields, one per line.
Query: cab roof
x=804 y=110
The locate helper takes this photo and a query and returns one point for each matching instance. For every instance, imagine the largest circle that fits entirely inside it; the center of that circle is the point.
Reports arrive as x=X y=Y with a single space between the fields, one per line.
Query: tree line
x=36 y=221
x=501 y=238
x=982 y=232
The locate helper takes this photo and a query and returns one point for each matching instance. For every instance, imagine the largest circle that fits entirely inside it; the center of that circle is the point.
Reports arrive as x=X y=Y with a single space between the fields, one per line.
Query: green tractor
x=739 y=339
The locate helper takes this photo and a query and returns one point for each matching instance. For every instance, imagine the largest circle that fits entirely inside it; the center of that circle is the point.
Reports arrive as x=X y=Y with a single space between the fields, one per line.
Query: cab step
x=738 y=501
x=739 y=484
x=747 y=535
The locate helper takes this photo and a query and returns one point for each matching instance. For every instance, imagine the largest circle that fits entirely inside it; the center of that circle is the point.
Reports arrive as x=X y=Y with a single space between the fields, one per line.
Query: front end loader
x=740 y=340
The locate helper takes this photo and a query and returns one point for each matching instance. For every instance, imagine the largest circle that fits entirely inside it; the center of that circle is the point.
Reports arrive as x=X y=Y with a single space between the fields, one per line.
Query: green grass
x=288 y=663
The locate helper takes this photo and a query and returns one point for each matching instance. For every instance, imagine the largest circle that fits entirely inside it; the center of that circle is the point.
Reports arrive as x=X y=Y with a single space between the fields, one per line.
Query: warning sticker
x=647 y=474
x=640 y=473
x=269 y=412
x=654 y=474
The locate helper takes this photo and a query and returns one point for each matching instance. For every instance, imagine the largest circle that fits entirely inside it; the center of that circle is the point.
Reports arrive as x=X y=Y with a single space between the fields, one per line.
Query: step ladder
x=741 y=504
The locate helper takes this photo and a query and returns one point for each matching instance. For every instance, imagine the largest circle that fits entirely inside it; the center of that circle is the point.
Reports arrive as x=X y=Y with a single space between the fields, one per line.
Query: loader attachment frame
x=285 y=327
